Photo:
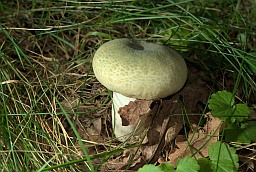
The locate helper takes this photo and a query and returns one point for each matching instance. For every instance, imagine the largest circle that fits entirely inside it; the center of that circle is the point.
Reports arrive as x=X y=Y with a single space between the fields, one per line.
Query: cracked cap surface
x=138 y=69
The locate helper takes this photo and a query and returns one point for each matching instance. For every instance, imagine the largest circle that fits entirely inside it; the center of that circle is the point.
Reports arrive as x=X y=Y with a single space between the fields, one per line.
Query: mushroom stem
x=121 y=132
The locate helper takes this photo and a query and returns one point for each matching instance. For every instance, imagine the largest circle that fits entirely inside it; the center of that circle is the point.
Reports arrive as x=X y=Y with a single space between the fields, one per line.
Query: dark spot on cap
x=135 y=45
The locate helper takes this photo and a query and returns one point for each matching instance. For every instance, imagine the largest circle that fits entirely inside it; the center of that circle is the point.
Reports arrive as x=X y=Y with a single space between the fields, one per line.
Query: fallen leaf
x=94 y=130
x=170 y=135
x=132 y=112
x=198 y=142
x=70 y=102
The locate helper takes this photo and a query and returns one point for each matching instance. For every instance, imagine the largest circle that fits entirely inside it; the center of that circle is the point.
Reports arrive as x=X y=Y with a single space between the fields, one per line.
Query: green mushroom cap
x=138 y=69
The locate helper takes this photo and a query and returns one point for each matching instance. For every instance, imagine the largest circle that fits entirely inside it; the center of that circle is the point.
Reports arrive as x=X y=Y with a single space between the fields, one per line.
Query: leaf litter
x=197 y=142
x=131 y=113
x=167 y=121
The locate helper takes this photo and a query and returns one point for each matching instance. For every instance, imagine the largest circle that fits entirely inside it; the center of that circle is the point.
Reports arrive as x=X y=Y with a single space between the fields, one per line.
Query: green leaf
x=241 y=112
x=250 y=130
x=188 y=164
x=222 y=105
x=244 y=134
x=234 y=133
x=167 y=167
x=150 y=168
x=205 y=165
x=223 y=157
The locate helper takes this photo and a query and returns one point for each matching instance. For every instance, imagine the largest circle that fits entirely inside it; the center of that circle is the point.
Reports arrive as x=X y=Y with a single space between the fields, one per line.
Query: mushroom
x=137 y=70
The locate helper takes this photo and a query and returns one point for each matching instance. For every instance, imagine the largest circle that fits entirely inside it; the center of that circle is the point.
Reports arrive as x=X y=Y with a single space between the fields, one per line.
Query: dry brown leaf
x=150 y=151
x=132 y=112
x=70 y=102
x=199 y=141
x=94 y=130
x=170 y=135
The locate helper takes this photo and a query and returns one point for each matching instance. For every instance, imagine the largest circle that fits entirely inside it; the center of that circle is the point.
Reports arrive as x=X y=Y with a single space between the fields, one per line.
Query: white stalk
x=122 y=133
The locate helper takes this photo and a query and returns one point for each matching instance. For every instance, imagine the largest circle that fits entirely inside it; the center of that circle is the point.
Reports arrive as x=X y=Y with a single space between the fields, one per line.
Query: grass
x=48 y=87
